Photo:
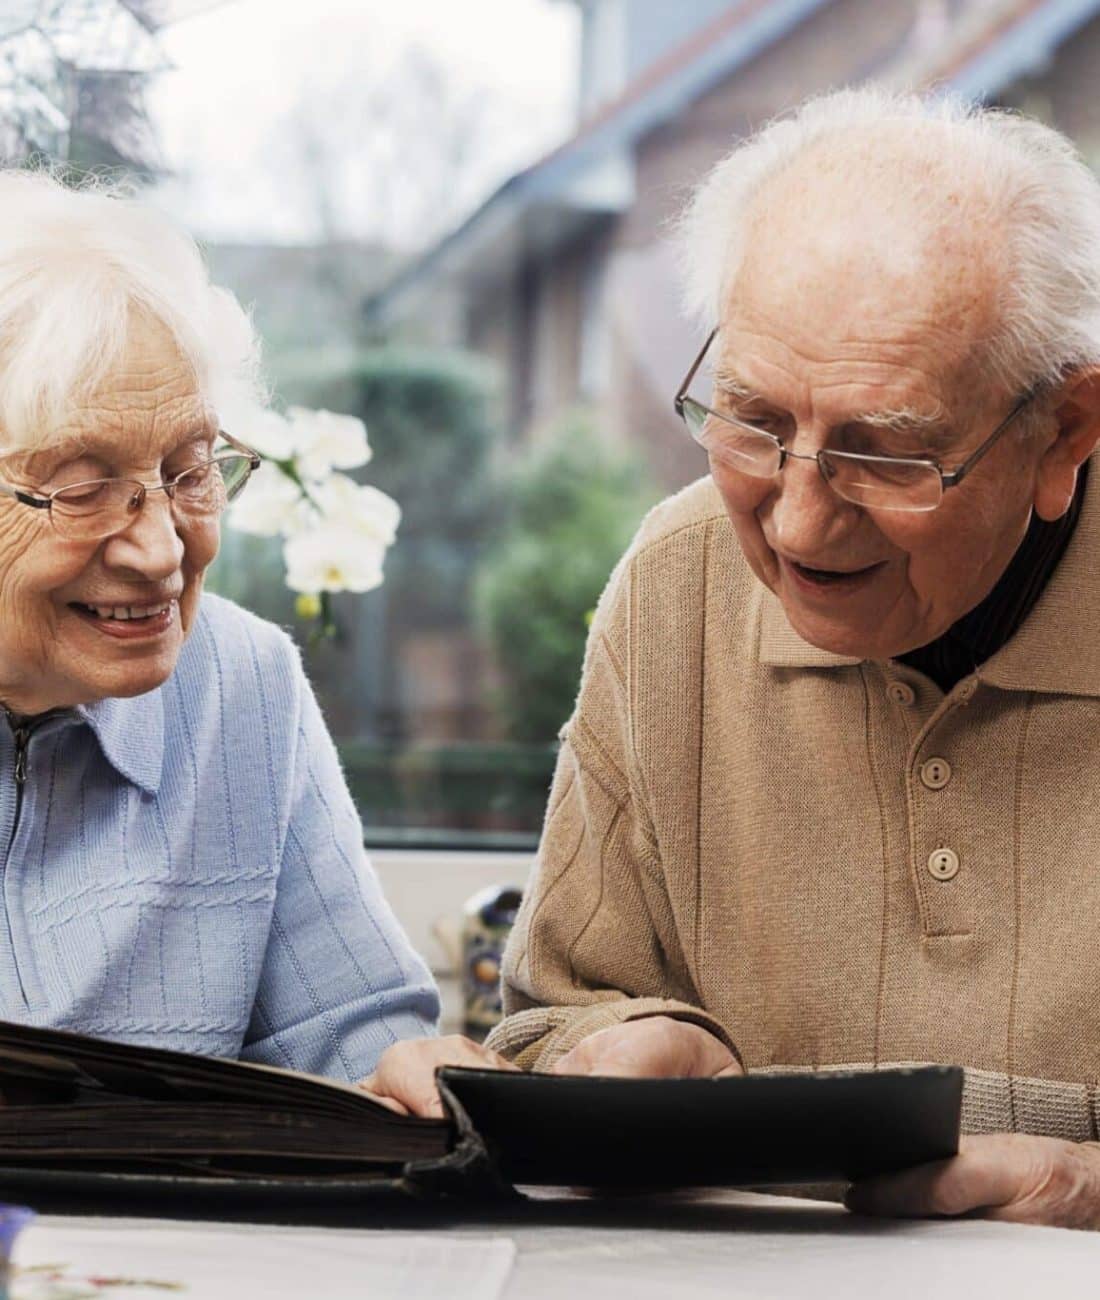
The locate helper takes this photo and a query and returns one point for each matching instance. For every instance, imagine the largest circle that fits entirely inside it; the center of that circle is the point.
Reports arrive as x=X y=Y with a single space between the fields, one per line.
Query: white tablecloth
x=736 y=1244
x=111 y=1259
x=723 y=1244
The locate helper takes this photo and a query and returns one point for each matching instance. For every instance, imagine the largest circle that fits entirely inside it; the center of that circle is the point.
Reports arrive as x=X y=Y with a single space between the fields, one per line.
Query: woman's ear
x=1077 y=420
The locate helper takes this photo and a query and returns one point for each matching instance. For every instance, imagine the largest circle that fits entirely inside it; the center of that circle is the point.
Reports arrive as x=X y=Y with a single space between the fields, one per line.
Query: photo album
x=99 y=1114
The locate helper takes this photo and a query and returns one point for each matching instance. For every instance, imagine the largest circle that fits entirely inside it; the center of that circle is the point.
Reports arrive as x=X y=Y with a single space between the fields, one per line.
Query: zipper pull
x=22 y=741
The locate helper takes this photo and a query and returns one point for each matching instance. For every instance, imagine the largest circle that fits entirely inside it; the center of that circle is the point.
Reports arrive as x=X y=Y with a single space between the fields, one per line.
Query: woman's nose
x=151 y=545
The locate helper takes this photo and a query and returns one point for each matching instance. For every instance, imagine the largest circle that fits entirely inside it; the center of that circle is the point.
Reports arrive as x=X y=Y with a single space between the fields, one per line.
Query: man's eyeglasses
x=875 y=482
x=101 y=507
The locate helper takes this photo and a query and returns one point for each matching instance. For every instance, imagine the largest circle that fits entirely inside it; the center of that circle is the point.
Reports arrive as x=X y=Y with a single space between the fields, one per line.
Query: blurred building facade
x=565 y=275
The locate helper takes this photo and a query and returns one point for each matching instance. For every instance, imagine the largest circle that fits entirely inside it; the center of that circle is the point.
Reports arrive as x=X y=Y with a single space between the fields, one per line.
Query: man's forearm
x=534 y=1038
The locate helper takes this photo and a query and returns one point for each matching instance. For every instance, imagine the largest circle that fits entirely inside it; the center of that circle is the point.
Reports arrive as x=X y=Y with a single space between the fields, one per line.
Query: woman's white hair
x=76 y=265
x=1043 y=200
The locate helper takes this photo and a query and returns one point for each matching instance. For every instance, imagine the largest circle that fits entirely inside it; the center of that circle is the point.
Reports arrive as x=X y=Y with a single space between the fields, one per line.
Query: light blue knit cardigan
x=185 y=869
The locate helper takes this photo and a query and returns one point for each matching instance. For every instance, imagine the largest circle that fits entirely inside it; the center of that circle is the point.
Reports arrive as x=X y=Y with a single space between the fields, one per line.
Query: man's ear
x=1077 y=417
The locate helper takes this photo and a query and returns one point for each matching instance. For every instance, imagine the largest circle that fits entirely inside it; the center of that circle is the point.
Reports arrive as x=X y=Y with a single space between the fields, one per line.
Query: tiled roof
x=1018 y=44
x=668 y=86
x=1013 y=41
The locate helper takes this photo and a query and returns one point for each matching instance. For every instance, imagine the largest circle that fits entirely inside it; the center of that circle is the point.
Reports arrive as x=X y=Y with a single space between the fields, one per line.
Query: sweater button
x=901 y=693
x=943 y=864
x=935 y=773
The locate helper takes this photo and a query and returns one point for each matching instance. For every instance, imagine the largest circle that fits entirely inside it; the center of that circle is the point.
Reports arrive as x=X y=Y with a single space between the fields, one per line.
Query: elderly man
x=828 y=796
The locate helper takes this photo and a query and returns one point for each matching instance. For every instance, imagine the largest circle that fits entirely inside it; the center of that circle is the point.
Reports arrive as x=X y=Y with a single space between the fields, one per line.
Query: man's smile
x=837 y=581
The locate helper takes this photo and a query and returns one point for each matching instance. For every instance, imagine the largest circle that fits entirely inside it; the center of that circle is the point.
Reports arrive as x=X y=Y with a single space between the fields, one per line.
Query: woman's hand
x=405 y=1078
x=1007 y=1176
x=657 y=1047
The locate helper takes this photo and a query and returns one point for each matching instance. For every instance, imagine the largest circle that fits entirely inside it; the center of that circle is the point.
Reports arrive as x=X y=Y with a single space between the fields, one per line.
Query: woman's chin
x=100 y=665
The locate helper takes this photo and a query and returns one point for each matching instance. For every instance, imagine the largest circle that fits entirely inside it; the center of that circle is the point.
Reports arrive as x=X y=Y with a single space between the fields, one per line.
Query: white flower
x=324 y=441
x=362 y=508
x=336 y=531
x=333 y=558
x=267 y=432
x=269 y=503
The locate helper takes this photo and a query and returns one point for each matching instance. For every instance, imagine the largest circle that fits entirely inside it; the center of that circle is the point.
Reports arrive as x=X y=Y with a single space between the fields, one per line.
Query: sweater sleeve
x=340 y=981
x=595 y=943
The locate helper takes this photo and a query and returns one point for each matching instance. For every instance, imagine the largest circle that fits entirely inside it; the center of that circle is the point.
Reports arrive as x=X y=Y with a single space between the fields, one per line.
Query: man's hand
x=657 y=1047
x=405 y=1078
x=1007 y=1176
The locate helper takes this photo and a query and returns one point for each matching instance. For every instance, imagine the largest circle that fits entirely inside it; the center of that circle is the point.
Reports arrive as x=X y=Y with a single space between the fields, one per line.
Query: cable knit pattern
x=185 y=869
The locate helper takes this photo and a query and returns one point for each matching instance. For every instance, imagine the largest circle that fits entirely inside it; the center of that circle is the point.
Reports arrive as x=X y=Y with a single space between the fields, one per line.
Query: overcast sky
x=245 y=70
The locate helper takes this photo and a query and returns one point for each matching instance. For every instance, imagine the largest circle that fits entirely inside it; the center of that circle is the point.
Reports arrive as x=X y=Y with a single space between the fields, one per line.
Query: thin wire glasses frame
x=833 y=464
x=81 y=523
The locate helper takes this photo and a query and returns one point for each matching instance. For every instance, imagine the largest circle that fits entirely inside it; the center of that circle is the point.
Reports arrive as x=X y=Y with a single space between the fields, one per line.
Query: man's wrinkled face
x=81 y=621
x=843 y=324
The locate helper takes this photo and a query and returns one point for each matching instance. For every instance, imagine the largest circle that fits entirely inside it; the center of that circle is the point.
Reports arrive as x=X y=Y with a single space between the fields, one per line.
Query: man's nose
x=807 y=516
x=151 y=545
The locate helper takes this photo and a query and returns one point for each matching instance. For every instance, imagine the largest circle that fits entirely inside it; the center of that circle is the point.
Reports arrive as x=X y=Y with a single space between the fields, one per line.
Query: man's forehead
x=814 y=291
x=884 y=386
x=832 y=326
x=847 y=244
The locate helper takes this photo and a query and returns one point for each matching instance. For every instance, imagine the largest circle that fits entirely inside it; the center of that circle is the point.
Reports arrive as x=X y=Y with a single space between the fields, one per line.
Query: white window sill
x=428 y=889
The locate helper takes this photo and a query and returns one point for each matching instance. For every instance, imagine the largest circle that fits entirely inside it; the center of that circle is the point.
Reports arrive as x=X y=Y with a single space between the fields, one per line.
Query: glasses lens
x=95 y=509
x=235 y=471
x=736 y=445
x=199 y=490
x=883 y=484
x=209 y=487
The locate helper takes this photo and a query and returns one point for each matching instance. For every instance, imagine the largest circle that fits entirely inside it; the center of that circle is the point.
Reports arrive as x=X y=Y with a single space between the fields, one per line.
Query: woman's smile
x=129 y=622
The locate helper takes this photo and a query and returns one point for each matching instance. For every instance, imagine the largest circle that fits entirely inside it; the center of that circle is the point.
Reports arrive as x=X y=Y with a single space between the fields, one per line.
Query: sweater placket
x=21 y=741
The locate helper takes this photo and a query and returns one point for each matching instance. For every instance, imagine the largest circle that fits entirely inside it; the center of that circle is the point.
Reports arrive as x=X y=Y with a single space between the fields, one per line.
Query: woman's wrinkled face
x=81 y=621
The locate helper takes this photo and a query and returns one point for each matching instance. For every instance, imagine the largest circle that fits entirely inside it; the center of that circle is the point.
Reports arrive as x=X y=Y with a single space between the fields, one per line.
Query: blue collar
x=131 y=735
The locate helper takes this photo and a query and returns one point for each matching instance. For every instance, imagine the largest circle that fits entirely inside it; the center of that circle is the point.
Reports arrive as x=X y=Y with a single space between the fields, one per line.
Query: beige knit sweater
x=825 y=862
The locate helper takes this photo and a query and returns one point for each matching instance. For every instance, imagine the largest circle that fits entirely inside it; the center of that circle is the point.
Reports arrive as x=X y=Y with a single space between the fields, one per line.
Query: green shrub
x=572 y=507
x=460 y=786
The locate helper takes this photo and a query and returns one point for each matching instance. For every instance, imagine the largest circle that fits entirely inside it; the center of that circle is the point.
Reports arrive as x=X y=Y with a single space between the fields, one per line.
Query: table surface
x=728 y=1244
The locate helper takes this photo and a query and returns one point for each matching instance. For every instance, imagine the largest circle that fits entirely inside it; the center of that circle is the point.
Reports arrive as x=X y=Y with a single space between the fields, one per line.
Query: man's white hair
x=1044 y=200
x=76 y=264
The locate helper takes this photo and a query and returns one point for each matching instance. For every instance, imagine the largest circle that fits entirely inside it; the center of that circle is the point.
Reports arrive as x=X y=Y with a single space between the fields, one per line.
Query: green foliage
x=467 y=786
x=573 y=507
x=250 y=571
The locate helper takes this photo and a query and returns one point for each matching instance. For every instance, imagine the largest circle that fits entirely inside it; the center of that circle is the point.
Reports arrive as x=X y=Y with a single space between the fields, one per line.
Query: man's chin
x=850 y=642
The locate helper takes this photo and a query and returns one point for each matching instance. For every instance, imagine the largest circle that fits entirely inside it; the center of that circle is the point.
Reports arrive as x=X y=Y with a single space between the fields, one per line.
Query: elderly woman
x=830 y=793
x=182 y=862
